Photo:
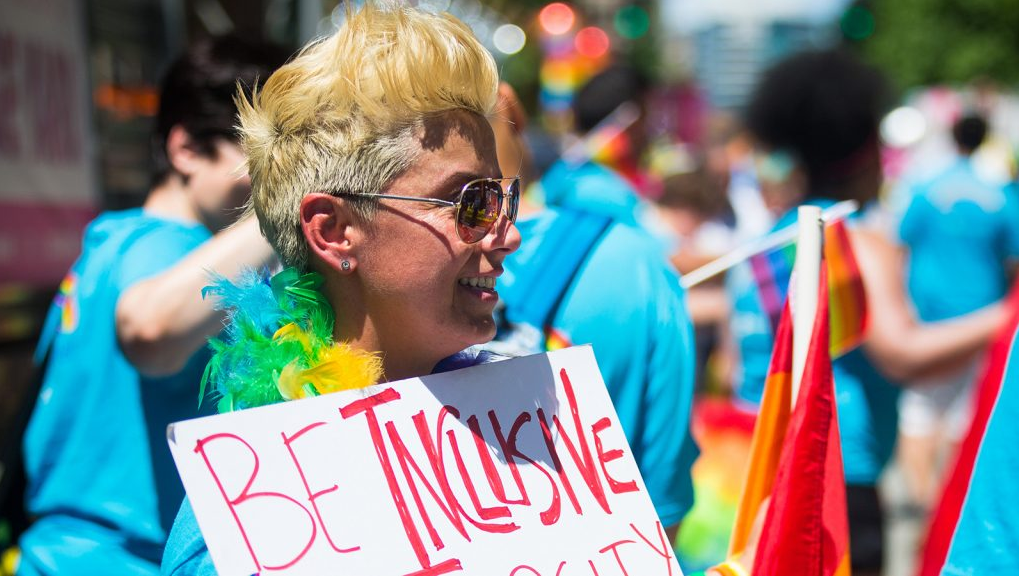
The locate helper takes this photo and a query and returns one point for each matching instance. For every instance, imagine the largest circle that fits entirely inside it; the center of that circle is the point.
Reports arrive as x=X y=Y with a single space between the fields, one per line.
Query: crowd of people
x=386 y=169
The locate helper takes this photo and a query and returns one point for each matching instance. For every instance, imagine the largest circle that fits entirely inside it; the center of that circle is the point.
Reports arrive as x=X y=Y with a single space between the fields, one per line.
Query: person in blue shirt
x=581 y=277
x=956 y=225
x=609 y=106
x=123 y=346
x=815 y=119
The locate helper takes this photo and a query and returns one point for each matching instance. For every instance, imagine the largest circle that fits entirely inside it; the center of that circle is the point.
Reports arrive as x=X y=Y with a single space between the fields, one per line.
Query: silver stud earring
x=345 y=266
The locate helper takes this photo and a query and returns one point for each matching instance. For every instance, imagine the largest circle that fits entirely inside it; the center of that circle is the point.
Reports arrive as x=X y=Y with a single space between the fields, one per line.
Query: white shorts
x=938 y=403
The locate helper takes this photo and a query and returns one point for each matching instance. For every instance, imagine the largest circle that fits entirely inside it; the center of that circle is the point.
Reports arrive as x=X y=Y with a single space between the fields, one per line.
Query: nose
x=505 y=237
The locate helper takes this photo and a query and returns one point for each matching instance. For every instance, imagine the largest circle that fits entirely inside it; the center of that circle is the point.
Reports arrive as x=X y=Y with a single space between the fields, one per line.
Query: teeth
x=478 y=282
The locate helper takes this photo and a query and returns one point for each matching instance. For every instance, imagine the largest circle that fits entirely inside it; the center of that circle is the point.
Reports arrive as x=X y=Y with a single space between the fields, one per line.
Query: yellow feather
x=294 y=332
x=339 y=367
x=343 y=368
x=290 y=382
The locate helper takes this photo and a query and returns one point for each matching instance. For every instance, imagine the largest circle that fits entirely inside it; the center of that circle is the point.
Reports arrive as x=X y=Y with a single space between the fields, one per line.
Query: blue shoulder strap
x=540 y=285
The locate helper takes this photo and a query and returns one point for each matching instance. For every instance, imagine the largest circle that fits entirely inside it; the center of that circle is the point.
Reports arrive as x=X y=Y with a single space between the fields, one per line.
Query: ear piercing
x=345 y=266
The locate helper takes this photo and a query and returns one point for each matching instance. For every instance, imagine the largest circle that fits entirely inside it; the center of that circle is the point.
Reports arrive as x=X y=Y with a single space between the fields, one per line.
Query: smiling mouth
x=483 y=282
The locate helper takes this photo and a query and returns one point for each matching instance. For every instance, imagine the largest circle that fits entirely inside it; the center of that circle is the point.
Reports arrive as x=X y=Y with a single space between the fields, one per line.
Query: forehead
x=456 y=142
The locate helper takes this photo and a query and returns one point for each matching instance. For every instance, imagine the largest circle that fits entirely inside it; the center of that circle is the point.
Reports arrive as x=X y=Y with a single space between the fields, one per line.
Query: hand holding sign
x=515 y=468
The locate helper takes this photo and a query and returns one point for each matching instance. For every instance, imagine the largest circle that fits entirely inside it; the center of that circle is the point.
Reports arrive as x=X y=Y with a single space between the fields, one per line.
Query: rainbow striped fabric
x=796 y=468
x=847 y=299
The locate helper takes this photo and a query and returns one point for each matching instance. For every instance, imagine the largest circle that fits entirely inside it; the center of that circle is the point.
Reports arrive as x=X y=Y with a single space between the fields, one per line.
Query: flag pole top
x=804 y=286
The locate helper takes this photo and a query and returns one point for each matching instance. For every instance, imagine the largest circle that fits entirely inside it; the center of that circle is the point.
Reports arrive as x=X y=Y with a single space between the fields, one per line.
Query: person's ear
x=329 y=227
x=181 y=152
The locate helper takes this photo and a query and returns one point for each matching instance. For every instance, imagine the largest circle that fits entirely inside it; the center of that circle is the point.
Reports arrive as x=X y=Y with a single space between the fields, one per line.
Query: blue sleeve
x=668 y=444
x=626 y=302
x=186 y=552
x=1010 y=222
x=158 y=248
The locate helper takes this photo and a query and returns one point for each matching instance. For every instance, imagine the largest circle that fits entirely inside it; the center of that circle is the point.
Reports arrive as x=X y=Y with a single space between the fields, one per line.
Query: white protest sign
x=516 y=468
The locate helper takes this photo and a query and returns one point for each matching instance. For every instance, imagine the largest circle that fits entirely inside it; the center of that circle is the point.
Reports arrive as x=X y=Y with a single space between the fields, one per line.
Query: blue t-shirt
x=958 y=226
x=101 y=482
x=866 y=401
x=986 y=539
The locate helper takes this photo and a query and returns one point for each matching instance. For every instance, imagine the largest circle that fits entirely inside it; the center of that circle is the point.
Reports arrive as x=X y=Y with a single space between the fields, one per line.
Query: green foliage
x=922 y=42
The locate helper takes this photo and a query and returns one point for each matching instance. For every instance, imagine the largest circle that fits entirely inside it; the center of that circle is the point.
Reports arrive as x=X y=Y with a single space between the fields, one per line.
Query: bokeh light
x=509 y=39
x=556 y=18
x=592 y=42
x=903 y=127
x=857 y=23
x=632 y=22
x=560 y=77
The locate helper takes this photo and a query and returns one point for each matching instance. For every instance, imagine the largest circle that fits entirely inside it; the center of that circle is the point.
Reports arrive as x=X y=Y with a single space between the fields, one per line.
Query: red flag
x=946 y=517
x=806 y=527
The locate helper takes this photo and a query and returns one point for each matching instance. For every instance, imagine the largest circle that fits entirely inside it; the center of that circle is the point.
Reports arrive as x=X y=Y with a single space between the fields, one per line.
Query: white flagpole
x=803 y=292
x=770 y=242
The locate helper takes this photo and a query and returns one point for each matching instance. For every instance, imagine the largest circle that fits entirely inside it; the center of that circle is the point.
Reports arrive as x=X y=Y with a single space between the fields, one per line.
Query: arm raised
x=162 y=320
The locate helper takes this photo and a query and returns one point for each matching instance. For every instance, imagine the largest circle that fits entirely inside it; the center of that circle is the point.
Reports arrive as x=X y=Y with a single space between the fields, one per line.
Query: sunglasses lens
x=479 y=210
x=513 y=199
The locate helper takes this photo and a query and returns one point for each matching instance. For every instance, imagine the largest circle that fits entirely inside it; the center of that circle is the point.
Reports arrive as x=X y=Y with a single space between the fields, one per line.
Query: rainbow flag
x=723 y=432
x=769 y=434
x=847 y=299
x=796 y=467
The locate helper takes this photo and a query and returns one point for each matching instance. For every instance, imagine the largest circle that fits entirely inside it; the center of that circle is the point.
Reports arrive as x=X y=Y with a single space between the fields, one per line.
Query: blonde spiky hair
x=342 y=114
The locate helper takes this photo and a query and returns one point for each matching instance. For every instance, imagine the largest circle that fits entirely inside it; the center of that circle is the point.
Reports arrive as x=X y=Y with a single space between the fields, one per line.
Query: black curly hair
x=823 y=107
x=969 y=132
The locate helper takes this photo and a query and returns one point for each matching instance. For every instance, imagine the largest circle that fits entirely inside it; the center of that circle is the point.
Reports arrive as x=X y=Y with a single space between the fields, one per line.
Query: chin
x=482 y=332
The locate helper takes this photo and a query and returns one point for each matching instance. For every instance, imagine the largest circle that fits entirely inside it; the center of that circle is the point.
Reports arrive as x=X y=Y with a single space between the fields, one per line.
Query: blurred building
x=730 y=42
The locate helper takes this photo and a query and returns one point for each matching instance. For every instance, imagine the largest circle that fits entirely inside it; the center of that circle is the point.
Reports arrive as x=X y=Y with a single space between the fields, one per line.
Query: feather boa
x=278 y=343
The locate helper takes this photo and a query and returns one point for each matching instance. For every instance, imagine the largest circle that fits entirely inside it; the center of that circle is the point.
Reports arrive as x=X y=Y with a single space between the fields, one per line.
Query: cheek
x=412 y=267
x=426 y=246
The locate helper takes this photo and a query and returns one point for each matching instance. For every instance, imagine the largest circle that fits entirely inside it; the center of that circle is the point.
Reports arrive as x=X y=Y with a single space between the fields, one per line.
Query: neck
x=400 y=360
x=170 y=199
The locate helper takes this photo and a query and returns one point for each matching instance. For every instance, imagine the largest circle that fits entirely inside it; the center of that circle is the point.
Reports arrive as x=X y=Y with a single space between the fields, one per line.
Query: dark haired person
x=815 y=120
x=125 y=340
x=956 y=225
x=608 y=111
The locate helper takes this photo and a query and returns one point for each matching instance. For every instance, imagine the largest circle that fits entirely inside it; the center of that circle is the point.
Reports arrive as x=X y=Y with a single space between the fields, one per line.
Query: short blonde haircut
x=342 y=115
